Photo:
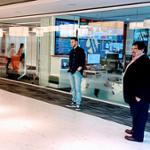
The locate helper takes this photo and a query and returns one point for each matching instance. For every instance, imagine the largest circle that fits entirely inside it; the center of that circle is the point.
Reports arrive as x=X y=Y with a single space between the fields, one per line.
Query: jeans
x=75 y=81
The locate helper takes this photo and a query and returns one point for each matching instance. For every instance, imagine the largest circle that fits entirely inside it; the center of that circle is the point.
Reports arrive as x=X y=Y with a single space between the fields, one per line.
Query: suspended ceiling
x=127 y=15
x=57 y=6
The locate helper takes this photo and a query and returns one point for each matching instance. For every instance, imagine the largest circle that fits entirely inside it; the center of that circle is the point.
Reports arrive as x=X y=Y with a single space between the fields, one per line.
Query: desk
x=91 y=72
x=102 y=81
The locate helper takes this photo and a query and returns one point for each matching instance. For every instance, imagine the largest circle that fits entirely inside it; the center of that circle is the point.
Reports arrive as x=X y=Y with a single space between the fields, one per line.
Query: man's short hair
x=141 y=46
x=74 y=38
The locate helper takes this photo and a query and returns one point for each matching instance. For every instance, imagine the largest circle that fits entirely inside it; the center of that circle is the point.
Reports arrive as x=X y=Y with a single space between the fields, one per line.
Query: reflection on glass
x=105 y=37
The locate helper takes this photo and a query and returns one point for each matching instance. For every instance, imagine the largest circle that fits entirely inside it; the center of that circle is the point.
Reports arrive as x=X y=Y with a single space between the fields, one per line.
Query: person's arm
x=81 y=60
x=142 y=87
x=69 y=61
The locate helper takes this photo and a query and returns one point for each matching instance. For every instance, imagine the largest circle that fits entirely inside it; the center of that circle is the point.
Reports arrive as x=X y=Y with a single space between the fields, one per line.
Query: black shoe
x=129 y=131
x=130 y=138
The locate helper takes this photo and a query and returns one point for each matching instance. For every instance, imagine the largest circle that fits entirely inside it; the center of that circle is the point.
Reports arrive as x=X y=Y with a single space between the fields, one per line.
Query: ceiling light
x=147 y=23
x=136 y=25
x=19 y=31
x=39 y=31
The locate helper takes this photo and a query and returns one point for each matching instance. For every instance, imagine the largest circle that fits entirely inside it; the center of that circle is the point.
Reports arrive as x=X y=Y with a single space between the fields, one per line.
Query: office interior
x=105 y=35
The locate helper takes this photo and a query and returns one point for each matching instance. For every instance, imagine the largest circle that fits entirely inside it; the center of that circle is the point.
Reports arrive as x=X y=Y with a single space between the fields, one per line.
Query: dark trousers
x=139 y=112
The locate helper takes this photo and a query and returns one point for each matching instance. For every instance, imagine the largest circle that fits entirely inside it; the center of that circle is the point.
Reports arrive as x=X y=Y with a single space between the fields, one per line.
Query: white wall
x=31 y=57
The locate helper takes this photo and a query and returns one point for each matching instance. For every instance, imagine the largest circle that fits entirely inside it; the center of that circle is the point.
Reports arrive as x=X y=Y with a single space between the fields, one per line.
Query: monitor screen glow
x=93 y=58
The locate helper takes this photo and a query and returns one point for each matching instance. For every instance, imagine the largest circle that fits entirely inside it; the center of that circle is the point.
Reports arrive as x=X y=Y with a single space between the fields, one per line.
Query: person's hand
x=137 y=99
x=79 y=68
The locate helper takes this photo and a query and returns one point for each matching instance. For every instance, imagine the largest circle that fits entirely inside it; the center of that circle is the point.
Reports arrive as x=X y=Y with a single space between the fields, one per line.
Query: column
x=44 y=55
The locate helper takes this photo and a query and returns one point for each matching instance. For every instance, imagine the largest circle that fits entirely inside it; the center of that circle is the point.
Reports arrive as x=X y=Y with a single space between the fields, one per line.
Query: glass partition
x=105 y=36
x=19 y=54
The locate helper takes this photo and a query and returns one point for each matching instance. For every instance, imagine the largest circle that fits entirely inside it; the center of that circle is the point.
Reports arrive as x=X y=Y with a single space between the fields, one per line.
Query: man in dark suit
x=136 y=90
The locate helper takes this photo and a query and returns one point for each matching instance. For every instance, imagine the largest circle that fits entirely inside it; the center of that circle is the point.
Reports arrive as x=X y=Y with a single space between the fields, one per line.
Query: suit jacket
x=136 y=80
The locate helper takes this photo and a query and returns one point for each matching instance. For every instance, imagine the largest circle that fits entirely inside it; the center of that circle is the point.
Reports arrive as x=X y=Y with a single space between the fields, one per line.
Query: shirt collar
x=132 y=61
x=75 y=47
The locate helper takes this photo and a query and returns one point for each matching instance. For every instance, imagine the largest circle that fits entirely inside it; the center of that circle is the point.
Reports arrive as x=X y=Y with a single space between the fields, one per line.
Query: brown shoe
x=130 y=138
x=129 y=131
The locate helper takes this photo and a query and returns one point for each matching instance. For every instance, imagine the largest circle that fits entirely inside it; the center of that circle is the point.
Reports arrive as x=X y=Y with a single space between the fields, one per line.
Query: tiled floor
x=29 y=124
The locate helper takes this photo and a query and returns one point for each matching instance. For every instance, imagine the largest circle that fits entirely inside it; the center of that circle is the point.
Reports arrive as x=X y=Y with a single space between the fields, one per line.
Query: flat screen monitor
x=62 y=46
x=65 y=23
x=62 y=39
x=141 y=35
x=93 y=58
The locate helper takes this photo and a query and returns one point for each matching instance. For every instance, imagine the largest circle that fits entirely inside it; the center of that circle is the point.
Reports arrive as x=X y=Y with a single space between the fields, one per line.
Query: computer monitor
x=62 y=37
x=93 y=58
